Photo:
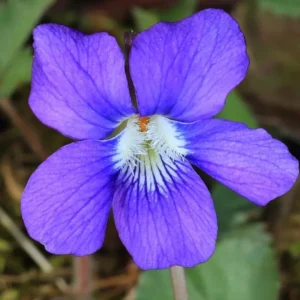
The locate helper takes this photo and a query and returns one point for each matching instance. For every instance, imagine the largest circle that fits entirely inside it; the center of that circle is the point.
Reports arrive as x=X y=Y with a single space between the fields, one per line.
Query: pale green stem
x=178 y=283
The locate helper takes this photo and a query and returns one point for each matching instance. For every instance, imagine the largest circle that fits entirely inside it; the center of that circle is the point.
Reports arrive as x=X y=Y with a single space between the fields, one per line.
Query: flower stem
x=178 y=283
x=82 y=276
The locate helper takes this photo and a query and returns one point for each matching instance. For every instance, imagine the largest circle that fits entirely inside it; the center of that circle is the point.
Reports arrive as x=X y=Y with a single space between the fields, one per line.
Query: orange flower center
x=143 y=121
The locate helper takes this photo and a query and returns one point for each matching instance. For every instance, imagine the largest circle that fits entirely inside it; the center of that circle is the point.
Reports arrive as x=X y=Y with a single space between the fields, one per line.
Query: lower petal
x=249 y=161
x=66 y=203
x=164 y=214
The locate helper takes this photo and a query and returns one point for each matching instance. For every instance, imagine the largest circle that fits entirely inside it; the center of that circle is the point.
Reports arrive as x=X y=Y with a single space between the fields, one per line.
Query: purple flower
x=182 y=73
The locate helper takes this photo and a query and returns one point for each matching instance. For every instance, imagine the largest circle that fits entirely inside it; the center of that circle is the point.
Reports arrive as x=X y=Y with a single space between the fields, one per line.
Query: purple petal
x=185 y=70
x=165 y=218
x=249 y=161
x=79 y=85
x=66 y=203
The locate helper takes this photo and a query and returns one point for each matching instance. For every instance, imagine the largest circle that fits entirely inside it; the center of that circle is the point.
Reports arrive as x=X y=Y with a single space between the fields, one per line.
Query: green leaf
x=157 y=285
x=182 y=9
x=289 y=8
x=154 y=285
x=243 y=267
x=19 y=71
x=231 y=207
x=237 y=110
x=17 y=18
x=144 y=18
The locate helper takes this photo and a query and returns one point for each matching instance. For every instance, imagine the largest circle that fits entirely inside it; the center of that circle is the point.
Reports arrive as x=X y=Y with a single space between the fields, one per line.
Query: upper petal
x=185 y=70
x=79 y=85
x=164 y=214
x=249 y=161
x=66 y=203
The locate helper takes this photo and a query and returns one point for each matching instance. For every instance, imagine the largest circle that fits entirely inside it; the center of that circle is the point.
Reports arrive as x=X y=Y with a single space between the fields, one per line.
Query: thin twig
x=81 y=264
x=33 y=275
x=178 y=283
x=25 y=129
x=32 y=139
x=129 y=279
x=29 y=247
x=14 y=188
x=119 y=280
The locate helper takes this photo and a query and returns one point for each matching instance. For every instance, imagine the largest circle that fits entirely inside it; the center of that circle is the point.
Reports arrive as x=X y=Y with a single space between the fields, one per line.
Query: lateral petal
x=66 y=203
x=249 y=161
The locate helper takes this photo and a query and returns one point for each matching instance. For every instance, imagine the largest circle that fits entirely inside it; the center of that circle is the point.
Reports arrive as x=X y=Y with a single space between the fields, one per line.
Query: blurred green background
x=258 y=251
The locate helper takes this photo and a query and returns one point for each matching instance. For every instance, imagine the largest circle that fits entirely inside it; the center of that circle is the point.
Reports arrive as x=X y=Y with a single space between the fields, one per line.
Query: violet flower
x=182 y=73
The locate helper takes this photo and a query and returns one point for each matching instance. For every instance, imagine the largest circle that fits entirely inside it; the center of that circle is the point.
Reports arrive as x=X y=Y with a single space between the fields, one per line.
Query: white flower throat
x=147 y=142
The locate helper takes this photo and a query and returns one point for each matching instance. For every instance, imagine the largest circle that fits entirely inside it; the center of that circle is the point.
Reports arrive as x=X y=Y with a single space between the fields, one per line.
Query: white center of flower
x=148 y=142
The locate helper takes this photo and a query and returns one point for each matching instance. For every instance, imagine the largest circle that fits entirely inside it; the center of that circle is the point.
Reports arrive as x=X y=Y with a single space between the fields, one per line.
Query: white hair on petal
x=165 y=139
x=148 y=149
x=131 y=145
